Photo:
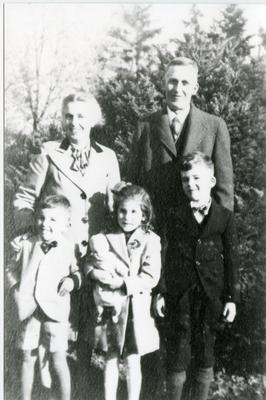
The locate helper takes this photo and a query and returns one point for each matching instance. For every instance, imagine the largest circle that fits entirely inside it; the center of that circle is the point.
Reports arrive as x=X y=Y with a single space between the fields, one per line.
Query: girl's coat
x=142 y=256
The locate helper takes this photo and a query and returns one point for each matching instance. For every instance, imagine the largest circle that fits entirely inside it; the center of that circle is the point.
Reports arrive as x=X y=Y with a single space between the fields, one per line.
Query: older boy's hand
x=66 y=286
x=229 y=312
x=159 y=305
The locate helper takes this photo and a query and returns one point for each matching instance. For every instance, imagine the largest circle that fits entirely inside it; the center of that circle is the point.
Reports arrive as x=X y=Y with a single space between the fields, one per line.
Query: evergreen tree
x=129 y=49
x=129 y=94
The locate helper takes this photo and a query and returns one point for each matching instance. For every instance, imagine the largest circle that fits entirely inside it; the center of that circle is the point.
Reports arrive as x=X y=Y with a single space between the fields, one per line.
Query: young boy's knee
x=29 y=356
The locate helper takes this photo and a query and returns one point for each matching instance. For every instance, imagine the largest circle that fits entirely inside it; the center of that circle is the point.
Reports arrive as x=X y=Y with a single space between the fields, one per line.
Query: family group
x=103 y=260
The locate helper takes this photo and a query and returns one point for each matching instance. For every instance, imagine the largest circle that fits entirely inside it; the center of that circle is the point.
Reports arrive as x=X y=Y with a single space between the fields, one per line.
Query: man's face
x=180 y=85
x=197 y=183
x=52 y=223
x=77 y=122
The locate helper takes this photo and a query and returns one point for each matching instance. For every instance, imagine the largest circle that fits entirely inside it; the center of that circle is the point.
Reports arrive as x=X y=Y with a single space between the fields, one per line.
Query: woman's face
x=77 y=122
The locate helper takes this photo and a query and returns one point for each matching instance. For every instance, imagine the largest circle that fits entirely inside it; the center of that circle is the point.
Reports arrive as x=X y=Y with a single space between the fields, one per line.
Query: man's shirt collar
x=180 y=114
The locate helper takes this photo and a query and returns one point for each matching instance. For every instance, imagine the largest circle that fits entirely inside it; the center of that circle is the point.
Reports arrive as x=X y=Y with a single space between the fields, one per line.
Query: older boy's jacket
x=205 y=254
x=38 y=276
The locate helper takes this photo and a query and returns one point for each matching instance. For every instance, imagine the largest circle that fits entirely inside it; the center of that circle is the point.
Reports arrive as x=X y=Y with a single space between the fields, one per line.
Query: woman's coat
x=50 y=173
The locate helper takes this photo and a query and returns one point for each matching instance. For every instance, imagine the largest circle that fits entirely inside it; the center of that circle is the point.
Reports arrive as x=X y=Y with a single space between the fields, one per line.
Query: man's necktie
x=175 y=128
x=47 y=246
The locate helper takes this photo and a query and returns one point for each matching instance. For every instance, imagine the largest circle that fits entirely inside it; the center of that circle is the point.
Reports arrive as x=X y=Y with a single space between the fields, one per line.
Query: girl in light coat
x=132 y=242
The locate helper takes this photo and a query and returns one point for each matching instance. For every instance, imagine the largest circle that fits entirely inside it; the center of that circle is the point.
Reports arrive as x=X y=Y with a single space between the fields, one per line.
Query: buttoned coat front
x=207 y=255
x=142 y=257
x=51 y=174
x=38 y=276
x=155 y=159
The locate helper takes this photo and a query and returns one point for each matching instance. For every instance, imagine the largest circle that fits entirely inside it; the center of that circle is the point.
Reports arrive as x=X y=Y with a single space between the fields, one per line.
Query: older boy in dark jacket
x=201 y=278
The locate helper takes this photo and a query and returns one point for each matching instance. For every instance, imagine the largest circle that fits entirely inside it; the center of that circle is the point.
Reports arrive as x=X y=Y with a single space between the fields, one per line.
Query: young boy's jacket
x=205 y=254
x=37 y=276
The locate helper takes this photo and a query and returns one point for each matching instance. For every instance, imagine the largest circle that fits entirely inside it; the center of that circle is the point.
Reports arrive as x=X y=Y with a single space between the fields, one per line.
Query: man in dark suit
x=179 y=128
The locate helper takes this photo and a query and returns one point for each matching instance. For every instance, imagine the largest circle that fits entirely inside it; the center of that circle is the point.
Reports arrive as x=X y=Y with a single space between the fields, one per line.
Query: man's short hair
x=194 y=158
x=93 y=104
x=54 y=201
x=182 y=61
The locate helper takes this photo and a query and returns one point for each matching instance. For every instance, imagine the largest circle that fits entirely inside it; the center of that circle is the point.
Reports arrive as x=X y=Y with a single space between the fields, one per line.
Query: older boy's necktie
x=47 y=246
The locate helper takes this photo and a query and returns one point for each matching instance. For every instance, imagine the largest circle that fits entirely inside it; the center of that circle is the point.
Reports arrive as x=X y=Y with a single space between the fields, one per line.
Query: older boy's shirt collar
x=200 y=212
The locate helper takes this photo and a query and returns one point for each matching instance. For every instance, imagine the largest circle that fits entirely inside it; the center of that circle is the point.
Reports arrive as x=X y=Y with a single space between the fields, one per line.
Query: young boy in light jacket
x=41 y=274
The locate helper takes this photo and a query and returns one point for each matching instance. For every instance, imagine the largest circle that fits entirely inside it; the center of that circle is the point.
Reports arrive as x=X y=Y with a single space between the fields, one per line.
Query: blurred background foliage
x=127 y=80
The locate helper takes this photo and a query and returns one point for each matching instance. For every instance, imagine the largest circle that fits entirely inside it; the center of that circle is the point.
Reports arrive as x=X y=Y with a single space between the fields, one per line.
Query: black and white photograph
x=134 y=133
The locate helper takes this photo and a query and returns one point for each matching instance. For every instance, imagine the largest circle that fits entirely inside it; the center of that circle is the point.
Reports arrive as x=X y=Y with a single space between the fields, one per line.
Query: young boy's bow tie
x=47 y=246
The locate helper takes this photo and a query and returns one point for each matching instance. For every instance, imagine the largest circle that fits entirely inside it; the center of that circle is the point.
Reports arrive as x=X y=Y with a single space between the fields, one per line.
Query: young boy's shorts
x=40 y=329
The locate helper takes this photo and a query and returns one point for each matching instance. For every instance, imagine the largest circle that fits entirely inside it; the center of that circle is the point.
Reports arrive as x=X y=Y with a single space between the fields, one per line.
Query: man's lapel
x=164 y=132
x=196 y=130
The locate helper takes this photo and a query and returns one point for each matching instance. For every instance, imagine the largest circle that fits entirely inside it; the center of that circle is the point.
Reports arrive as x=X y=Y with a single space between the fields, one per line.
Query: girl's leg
x=29 y=358
x=111 y=376
x=133 y=376
x=61 y=369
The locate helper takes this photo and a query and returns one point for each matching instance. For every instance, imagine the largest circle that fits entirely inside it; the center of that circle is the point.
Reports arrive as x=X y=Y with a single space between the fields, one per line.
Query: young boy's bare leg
x=133 y=376
x=111 y=376
x=29 y=358
x=62 y=373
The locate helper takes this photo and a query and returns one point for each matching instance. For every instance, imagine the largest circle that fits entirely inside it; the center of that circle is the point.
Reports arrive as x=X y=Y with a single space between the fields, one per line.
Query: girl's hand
x=66 y=286
x=115 y=282
x=159 y=305
x=100 y=276
x=229 y=312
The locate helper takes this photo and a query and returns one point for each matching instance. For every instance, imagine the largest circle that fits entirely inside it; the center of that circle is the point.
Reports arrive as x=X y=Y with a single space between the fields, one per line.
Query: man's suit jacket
x=155 y=161
x=51 y=174
x=141 y=256
x=38 y=276
x=207 y=254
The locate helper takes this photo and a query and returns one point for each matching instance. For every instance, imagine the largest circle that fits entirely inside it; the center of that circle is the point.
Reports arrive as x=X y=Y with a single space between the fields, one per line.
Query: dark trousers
x=190 y=336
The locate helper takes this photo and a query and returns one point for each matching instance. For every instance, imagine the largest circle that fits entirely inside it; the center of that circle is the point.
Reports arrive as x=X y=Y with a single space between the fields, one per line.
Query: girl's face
x=129 y=215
